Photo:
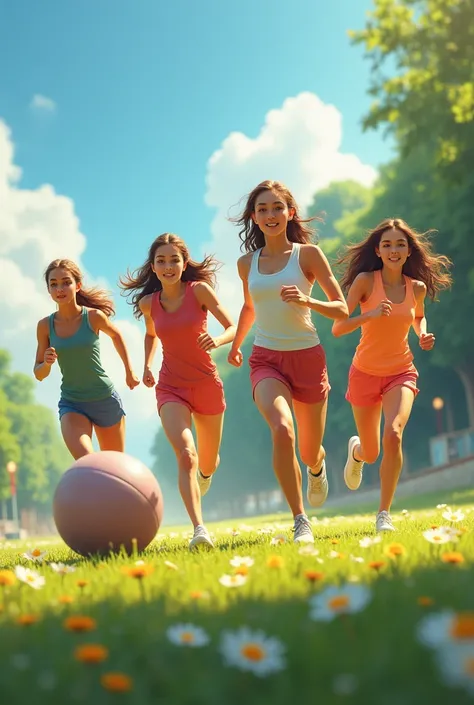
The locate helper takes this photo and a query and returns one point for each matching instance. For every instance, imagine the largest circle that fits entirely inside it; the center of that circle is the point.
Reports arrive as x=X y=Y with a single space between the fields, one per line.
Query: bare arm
x=151 y=341
x=420 y=325
x=247 y=313
x=206 y=297
x=100 y=322
x=360 y=290
x=45 y=355
x=315 y=264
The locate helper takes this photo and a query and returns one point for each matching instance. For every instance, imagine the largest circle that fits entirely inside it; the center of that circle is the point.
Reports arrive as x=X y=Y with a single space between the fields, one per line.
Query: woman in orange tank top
x=174 y=294
x=388 y=275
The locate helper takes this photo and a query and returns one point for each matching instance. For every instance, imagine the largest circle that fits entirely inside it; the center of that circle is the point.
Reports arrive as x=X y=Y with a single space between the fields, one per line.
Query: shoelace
x=385 y=516
x=301 y=523
x=200 y=531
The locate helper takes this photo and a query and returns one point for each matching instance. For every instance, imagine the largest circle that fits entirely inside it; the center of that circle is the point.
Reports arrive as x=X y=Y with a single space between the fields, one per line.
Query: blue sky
x=143 y=94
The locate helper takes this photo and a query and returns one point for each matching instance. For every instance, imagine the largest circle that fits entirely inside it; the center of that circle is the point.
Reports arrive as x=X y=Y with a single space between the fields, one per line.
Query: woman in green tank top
x=88 y=399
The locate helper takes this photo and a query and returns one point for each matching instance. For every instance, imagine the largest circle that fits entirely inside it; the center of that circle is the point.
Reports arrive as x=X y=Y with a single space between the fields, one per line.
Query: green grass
x=377 y=647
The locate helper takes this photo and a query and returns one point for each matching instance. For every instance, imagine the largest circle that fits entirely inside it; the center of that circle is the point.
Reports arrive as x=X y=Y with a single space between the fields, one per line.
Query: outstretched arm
x=100 y=322
x=151 y=341
x=206 y=296
x=247 y=313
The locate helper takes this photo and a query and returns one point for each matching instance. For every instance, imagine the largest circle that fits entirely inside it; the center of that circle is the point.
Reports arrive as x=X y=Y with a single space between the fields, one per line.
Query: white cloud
x=43 y=103
x=299 y=144
x=37 y=226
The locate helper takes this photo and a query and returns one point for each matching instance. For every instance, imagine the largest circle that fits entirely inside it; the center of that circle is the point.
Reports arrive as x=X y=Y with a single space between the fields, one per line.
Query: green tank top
x=83 y=377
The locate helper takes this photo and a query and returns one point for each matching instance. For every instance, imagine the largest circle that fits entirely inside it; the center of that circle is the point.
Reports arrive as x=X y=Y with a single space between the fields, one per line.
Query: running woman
x=288 y=363
x=388 y=275
x=174 y=294
x=88 y=399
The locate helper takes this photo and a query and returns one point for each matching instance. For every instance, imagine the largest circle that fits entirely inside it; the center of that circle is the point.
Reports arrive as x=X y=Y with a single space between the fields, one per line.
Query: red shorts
x=367 y=390
x=205 y=398
x=304 y=372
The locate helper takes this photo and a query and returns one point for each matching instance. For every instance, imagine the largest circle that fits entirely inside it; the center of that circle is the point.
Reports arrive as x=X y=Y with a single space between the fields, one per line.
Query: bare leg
x=311 y=423
x=273 y=400
x=397 y=406
x=367 y=419
x=208 y=436
x=111 y=437
x=76 y=430
x=176 y=421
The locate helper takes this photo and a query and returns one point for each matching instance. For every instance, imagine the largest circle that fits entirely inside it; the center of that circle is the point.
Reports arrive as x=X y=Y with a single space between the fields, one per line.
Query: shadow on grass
x=368 y=654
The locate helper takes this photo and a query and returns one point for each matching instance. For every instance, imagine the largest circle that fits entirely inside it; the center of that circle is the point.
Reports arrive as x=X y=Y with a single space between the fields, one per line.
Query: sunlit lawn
x=344 y=616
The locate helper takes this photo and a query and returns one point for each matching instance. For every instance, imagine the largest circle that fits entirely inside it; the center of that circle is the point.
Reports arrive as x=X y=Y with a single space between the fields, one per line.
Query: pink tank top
x=383 y=349
x=184 y=363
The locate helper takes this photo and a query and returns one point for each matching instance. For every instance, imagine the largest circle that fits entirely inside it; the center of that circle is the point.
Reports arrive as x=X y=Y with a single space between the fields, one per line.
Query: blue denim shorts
x=104 y=413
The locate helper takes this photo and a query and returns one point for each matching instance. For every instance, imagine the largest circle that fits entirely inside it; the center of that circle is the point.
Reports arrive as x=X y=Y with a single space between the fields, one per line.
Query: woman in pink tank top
x=388 y=275
x=174 y=294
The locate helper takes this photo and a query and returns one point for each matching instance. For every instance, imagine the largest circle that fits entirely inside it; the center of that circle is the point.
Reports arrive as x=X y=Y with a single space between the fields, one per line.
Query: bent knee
x=187 y=458
x=283 y=431
x=392 y=437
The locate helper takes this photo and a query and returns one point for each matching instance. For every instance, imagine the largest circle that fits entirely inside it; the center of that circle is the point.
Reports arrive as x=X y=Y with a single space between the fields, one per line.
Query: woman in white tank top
x=288 y=364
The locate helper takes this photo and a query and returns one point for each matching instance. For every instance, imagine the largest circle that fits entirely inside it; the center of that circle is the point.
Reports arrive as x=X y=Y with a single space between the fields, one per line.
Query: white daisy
x=357 y=559
x=233 y=580
x=279 y=538
x=170 y=565
x=237 y=561
x=187 y=635
x=456 y=665
x=308 y=551
x=441 y=506
x=36 y=555
x=369 y=541
x=62 y=568
x=441 y=535
x=446 y=628
x=252 y=651
x=30 y=577
x=457 y=515
x=333 y=601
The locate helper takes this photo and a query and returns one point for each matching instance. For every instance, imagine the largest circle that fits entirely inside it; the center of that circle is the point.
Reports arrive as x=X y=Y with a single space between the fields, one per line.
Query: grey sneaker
x=353 y=467
x=318 y=487
x=203 y=482
x=201 y=538
x=303 y=530
x=383 y=522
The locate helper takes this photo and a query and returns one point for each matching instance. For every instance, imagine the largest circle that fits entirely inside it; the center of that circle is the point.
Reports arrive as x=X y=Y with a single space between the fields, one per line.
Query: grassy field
x=346 y=621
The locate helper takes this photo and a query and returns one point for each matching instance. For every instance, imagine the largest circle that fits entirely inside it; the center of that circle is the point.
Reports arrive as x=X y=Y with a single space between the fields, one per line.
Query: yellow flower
x=453 y=557
x=82 y=583
x=313 y=575
x=7 y=577
x=376 y=565
x=425 y=601
x=116 y=682
x=242 y=570
x=65 y=599
x=275 y=562
x=79 y=623
x=26 y=620
x=394 y=550
x=138 y=571
x=91 y=653
x=463 y=626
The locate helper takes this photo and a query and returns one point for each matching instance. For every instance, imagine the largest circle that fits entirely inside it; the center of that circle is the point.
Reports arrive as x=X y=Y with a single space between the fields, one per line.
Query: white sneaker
x=353 y=467
x=203 y=482
x=383 y=522
x=303 y=530
x=201 y=538
x=318 y=487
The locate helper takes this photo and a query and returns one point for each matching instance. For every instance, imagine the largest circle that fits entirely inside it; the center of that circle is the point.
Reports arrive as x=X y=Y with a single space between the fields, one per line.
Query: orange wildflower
x=91 y=653
x=313 y=575
x=275 y=562
x=116 y=682
x=138 y=571
x=424 y=601
x=7 y=577
x=26 y=620
x=453 y=557
x=79 y=623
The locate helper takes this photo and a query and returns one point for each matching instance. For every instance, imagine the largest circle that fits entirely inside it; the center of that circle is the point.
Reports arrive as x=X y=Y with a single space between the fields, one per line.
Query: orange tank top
x=383 y=349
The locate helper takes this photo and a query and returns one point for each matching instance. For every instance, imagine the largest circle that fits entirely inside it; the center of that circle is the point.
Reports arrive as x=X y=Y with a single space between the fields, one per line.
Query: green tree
x=427 y=88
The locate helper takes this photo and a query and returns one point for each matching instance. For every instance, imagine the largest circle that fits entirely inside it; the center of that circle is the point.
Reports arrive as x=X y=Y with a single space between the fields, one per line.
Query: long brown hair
x=251 y=235
x=143 y=281
x=423 y=263
x=92 y=297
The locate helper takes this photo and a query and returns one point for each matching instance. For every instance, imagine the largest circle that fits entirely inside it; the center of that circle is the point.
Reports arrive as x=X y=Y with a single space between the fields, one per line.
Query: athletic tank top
x=83 y=377
x=184 y=364
x=280 y=325
x=383 y=349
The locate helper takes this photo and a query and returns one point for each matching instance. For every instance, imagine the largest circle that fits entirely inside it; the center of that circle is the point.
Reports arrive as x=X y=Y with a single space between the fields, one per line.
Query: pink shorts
x=304 y=372
x=367 y=390
x=205 y=398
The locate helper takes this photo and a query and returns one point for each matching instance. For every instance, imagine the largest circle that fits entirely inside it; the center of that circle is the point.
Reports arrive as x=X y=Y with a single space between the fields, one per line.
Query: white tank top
x=280 y=325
